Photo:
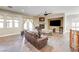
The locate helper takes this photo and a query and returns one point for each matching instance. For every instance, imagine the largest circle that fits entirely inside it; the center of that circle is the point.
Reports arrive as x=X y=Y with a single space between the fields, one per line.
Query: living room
x=53 y=23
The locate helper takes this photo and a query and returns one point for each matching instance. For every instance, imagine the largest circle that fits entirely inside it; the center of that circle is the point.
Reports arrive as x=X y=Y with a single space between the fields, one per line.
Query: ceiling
x=39 y=10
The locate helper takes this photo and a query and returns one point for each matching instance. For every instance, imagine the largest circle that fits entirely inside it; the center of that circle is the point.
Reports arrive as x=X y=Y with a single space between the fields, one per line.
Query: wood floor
x=16 y=43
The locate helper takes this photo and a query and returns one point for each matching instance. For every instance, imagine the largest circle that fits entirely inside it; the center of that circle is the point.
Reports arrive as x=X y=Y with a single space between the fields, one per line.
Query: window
x=1 y=23
x=25 y=25
x=9 y=23
x=75 y=25
x=16 y=23
x=28 y=25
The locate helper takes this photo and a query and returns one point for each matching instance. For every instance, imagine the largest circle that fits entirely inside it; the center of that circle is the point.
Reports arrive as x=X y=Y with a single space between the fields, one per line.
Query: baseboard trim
x=9 y=34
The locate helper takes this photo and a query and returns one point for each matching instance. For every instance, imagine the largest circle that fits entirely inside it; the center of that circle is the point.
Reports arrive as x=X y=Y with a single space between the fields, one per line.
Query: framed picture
x=42 y=26
x=41 y=19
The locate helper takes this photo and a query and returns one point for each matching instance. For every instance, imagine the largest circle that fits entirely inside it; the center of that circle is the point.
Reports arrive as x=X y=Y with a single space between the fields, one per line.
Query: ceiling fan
x=10 y=6
x=46 y=13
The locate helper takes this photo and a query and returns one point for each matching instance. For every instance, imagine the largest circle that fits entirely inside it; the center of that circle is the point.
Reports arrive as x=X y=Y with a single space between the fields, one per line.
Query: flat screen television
x=55 y=23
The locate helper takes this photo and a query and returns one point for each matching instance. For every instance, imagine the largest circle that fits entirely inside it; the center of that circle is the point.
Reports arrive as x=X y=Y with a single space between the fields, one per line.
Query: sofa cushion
x=34 y=34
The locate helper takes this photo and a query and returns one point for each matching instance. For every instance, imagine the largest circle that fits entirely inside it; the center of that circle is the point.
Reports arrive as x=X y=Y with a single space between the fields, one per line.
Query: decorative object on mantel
x=39 y=31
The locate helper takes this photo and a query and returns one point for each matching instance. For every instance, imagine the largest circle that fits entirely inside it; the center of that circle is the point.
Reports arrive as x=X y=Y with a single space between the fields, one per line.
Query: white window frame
x=9 y=23
x=16 y=22
x=2 y=21
x=75 y=25
x=28 y=24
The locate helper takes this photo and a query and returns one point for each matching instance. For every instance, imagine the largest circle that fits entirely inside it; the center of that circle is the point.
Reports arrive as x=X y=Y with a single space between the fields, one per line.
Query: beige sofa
x=35 y=41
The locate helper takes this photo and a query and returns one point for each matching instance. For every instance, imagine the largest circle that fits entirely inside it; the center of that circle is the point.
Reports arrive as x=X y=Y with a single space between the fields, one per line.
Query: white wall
x=69 y=20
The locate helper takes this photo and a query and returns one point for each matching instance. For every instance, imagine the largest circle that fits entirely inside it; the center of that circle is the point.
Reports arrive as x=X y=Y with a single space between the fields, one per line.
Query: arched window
x=28 y=25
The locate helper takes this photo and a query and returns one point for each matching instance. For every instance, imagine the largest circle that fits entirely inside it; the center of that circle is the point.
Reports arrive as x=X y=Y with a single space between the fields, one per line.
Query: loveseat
x=35 y=40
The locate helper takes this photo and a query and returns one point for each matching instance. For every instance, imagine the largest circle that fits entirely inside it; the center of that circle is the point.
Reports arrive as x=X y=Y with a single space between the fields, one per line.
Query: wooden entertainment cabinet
x=74 y=40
